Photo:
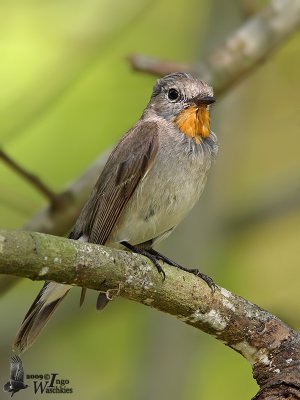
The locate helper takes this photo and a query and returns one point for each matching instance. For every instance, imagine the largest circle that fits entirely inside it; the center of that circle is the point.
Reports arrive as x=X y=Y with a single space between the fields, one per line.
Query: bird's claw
x=205 y=278
x=160 y=270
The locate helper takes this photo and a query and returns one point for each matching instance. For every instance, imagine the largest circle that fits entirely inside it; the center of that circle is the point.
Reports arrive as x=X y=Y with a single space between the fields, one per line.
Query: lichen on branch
x=269 y=345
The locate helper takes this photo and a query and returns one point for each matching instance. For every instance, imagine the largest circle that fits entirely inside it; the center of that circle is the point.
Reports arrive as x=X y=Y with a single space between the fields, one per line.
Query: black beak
x=207 y=100
x=203 y=100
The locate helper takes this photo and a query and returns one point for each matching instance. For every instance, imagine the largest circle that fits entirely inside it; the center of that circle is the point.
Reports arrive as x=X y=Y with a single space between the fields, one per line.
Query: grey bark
x=269 y=345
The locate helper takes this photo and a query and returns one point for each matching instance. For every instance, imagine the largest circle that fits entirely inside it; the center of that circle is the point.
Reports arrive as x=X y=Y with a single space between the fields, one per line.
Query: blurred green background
x=67 y=94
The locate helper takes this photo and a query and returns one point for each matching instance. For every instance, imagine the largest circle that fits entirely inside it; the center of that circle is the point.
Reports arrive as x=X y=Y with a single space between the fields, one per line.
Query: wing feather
x=127 y=165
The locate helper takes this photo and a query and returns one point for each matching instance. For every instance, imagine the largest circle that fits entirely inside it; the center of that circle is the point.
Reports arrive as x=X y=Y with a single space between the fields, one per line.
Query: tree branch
x=59 y=221
x=55 y=200
x=244 y=50
x=241 y=53
x=270 y=346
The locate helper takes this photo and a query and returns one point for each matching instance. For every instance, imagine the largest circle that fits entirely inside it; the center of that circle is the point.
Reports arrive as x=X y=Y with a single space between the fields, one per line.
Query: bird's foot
x=196 y=272
x=207 y=279
x=154 y=256
x=147 y=253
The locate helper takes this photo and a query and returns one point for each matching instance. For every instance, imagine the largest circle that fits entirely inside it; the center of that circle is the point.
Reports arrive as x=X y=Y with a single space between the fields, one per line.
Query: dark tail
x=39 y=313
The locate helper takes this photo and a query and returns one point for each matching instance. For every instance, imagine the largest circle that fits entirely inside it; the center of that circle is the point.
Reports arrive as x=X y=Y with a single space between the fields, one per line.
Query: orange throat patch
x=194 y=122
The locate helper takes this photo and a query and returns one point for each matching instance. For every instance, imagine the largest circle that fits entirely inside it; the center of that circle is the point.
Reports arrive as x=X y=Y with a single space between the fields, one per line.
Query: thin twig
x=284 y=16
x=59 y=222
x=33 y=180
x=156 y=66
x=241 y=53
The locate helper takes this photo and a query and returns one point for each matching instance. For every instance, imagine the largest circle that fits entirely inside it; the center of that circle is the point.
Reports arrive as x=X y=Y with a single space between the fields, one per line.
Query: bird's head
x=185 y=101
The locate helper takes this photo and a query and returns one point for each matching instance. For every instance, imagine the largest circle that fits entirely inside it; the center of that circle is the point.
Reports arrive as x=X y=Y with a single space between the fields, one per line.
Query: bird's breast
x=168 y=191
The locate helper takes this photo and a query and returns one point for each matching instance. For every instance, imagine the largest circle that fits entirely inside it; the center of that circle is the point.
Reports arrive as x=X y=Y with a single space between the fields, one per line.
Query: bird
x=16 y=381
x=151 y=180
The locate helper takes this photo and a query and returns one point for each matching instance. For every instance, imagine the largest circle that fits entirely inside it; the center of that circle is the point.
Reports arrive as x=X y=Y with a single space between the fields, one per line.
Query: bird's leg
x=147 y=253
x=154 y=256
x=196 y=272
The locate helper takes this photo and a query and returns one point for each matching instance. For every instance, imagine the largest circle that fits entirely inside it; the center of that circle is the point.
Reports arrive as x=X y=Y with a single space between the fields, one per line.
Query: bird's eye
x=173 y=94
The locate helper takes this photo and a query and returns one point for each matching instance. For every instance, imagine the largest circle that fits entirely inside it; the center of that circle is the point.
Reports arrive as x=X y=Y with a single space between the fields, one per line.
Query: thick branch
x=272 y=348
x=241 y=53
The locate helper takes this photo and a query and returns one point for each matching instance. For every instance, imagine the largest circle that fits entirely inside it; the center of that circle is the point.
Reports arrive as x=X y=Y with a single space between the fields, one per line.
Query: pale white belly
x=162 y=199
x=147 y=218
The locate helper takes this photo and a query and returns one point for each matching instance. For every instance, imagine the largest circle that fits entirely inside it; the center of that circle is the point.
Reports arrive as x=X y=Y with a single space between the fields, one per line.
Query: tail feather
x=39 y=313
